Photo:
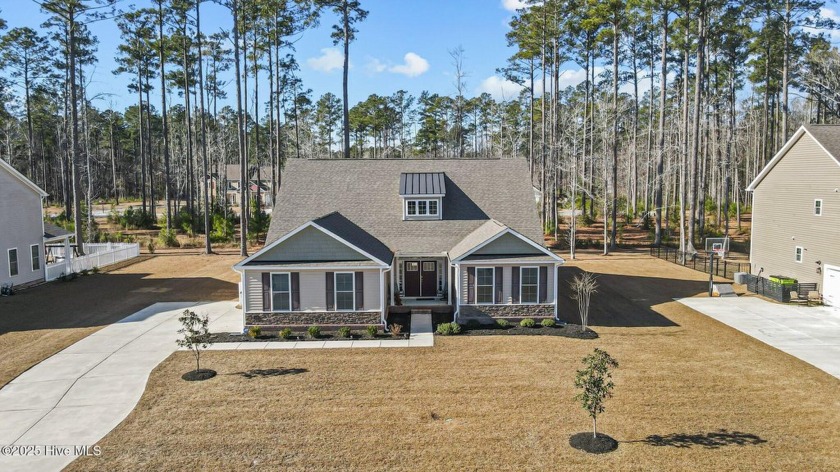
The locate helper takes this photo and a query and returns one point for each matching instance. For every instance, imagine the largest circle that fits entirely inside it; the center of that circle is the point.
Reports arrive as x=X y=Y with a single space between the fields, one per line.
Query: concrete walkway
x=808 y=333
x=77 y=396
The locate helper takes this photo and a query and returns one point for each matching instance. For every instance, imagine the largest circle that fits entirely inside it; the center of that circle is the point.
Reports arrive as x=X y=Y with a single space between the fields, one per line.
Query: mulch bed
x=594 y=445
x=297 y=337
x=199 y=375
x=567 y=330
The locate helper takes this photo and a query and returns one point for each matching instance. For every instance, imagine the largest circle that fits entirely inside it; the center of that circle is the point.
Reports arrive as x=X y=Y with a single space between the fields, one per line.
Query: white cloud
x=513 y=5
x=499 y=88
x=833 y=35
x=330 y=59
x=412 y=66
x=374 y=66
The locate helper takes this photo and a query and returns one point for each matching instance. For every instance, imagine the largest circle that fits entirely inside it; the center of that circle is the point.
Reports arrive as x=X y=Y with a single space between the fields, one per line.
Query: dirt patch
x=199 y=375
x=40 y=321
x=593 y=444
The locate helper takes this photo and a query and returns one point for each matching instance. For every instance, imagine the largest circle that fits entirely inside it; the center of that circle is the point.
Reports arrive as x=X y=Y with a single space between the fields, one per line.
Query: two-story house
x=796 y=211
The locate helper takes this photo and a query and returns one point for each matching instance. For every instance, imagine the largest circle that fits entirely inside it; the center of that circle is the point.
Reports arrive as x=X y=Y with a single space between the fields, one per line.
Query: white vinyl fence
x=96 y=255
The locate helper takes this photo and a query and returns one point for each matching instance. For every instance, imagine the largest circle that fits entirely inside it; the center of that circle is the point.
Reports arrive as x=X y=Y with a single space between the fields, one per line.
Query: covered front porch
x=421 y=280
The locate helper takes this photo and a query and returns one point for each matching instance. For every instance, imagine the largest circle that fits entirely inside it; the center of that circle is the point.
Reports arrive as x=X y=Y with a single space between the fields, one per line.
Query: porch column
x=68 y=255
x=447 y=282
x=393 y=287
x=457 y=291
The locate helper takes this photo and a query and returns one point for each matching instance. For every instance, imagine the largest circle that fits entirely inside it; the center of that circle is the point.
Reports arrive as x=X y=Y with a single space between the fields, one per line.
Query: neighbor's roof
x=425 y=183
x=232 y=172
x=826 y=136
x=14 y=173
x=367 y=193
x=52 y=231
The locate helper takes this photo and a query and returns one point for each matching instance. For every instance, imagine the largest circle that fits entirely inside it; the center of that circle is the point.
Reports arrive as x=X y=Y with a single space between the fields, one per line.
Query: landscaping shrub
x=222 y=231
x=254 y=331
x=372 y=330
x=502 y=323
x=285 y=333
x=548 y=323
x=396 y=329
x=447 y=329
x=314 y=332
x=344 y=332
x=151 y=246
x=527 y=323
x=444 y=329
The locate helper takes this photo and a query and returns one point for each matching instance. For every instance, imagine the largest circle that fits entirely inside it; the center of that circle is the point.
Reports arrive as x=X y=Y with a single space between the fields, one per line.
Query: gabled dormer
x=422 y=195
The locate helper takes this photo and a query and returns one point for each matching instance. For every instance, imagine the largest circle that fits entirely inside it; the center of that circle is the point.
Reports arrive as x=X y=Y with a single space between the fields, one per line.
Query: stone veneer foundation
x=506 y=311
x=309 y=318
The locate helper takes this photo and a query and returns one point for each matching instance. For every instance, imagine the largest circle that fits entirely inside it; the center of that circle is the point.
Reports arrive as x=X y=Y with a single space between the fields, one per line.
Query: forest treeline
x=680 y=105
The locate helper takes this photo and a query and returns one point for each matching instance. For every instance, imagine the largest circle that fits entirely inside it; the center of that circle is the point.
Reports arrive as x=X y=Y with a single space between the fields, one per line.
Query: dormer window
x=422 y=195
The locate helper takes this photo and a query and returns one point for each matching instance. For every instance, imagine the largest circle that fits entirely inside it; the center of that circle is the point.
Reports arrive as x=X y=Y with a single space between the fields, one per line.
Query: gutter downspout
x=458 y=293
x=556 y=290
x=382 y=289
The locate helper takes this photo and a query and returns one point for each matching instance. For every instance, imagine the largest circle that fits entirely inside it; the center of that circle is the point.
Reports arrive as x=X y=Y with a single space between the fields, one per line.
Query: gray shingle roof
x=367 y=193
x=828 y=136
x=52 y=231
x=481 y=234
x=422 y=183
x=345 y=229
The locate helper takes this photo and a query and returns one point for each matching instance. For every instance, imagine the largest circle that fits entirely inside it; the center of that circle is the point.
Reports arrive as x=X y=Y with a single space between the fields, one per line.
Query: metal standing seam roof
x=425 y=183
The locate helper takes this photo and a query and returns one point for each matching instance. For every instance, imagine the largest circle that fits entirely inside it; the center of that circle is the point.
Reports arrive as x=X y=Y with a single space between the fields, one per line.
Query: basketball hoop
x=715 y=247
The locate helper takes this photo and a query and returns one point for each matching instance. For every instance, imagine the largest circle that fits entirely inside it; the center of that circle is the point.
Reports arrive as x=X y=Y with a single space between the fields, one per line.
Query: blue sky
x=403 y=44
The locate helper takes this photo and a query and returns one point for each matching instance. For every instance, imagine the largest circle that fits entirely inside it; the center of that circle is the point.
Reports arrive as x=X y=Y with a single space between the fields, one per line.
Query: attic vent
x=422 y=184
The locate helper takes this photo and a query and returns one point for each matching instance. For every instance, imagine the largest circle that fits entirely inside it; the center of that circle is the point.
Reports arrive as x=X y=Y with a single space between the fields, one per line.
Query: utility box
x=741 y=278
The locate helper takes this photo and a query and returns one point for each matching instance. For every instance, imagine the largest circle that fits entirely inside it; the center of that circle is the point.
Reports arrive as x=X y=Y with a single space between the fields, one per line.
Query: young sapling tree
x=195 y=334
x=595 y=384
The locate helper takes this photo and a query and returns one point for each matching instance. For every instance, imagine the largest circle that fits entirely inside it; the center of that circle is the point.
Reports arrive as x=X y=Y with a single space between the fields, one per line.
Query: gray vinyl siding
x=23 y=226
x=507 y=279
x=311 y=244
x=783 y=214
x=313 y=290
x=508 y=244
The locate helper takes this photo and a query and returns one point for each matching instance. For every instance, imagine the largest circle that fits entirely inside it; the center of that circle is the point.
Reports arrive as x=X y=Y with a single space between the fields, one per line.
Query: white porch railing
x=96 y=255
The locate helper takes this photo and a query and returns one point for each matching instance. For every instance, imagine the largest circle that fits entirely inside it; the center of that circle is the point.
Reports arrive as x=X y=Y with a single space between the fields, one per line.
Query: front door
x=411 y=269
x=428 y=278
x=420 y=278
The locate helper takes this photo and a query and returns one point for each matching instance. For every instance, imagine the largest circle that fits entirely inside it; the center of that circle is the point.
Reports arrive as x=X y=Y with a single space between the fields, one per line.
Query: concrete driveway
x=77 y=396
x=808 y=333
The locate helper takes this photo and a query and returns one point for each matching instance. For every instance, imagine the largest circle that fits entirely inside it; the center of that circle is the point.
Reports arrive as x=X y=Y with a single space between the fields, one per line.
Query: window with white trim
x=485 y=280
x=818 y=207
x=281 y=292
x=798 y=254
x=35 y=253
x=13 y=262
x=345 y=291
x=415 y=207
x=529 y=287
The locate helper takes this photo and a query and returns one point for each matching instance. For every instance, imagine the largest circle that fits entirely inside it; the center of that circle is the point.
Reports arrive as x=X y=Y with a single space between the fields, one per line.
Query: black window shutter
x=295 y=291
x=470 y=284
x=360 y=290
x=330 y=291
x=266 y=291
x=499 y=272
x=514 y=284
x=543 y=284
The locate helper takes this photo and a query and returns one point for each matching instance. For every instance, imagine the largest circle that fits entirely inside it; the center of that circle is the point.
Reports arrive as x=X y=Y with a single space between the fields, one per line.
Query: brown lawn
x=691 y=394
x=38 y=322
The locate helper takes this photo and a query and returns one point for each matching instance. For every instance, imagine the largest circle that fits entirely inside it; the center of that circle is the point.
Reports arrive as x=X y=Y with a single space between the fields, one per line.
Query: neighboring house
x=796 y=211
x=22 y=233
x=232 y=180
x=351 y=238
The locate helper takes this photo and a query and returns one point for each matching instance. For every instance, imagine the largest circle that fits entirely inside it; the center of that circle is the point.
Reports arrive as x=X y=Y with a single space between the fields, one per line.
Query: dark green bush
x=447 y=329
x=372 y=330
x=285 y=333
x=168 y=238
x=548 y=323
x=503 y=323
x=527 y=323
x=344 y=332
x=314 y=332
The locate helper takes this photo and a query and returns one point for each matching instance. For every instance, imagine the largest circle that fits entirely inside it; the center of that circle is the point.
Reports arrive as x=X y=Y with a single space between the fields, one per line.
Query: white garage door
x=831 y=286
